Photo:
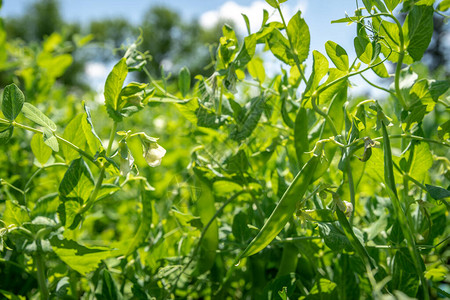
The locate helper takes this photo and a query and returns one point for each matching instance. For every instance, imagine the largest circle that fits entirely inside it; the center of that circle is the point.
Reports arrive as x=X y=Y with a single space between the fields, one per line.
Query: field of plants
x=233 y=183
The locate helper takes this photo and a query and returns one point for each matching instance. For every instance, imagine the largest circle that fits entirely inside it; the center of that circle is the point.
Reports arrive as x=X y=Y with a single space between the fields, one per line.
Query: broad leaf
x=40 y=150
x=74 y=133
x=12 y=103
x=113 y=86
x=74 y=191
x=50 y=139
x=34 y=114
x=80 y=258
x=338 y=55
x=437 y=193
x=184 y=81
x=419 y=30
x=298 y=32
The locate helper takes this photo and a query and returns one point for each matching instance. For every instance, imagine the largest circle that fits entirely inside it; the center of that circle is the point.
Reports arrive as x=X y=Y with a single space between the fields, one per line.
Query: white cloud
x=232 y=11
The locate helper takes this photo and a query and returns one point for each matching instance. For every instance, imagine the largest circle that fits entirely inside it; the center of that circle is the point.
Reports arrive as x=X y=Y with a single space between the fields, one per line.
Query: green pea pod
x=388 y=164
x=284 y=210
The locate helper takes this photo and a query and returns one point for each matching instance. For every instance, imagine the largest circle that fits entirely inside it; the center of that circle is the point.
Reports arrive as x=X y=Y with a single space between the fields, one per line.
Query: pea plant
x=290 y=188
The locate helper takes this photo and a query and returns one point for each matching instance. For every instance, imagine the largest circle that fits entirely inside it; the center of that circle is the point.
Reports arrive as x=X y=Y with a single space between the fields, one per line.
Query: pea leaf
x=418 y=28
x=12 y=103
x=392 y=4
x=81 y=258
x=50 y=139
x=40 y=150
x=74 y=190
x=338 y=55
x=6 y=134
x=184 y=81
x=272 y=3
x=14 y=214
x=436 y=192
x=34 y=114
x=113 y=87
x=74 y=133
x=444 y=5
x=298 y=32
x=256 y=69
x=404 y=277
x=246 y=52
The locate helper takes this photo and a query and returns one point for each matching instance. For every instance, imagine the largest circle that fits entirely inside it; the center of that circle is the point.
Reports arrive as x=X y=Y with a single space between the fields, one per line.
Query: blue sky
x=317 y=13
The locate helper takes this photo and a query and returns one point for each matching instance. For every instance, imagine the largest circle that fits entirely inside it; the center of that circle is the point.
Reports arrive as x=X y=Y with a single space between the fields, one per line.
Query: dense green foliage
x=232 y=186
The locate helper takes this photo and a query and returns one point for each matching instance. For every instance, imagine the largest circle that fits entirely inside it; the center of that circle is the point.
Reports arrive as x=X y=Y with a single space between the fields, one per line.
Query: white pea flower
x=348 y=208
x=154 y=154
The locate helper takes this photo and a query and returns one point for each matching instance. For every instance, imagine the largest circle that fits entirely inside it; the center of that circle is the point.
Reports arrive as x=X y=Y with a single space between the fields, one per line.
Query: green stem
x=157 y=86
x=323 y=114
x=377 y=86
x=101 y=176
x=62 y=140
x=42 y=280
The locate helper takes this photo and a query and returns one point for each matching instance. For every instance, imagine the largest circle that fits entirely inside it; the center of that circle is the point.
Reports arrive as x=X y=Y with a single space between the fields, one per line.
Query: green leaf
x=14 y=214
x=144 y=224
x=284 y=210
x=320 y=69
x=12 y=103
x=74 y=133
x=444 y=5
x=273 y=3
x=421 y=161
x=418 y=28
x=248 y=119
x=444 y=131
x=255 y=68
x=50 y=139
x=298 y=32
x=436 y=274
x=6 y=134
x=392 y=4
x=93 y=140
x=184 y=81
x=40 y=150
x=110 y=290
x=74 y=190
x=404 y=277
x=334 y=238
x=81 y=258
x=279 y=46
x=323 y=289
x=246 y=52
x=338 y=55
x=113 y=85
x=436 y=192
x=34 y=114
x=247 y=23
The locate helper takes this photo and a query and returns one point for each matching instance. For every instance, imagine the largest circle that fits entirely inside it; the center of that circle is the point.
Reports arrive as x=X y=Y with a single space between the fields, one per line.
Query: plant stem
x=42 y=280
x=377 y=86
x=101 y=176
x=61 y=139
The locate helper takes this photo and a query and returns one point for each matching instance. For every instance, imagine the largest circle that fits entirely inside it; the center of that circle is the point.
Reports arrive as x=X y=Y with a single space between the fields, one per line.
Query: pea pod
x=284 y=209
